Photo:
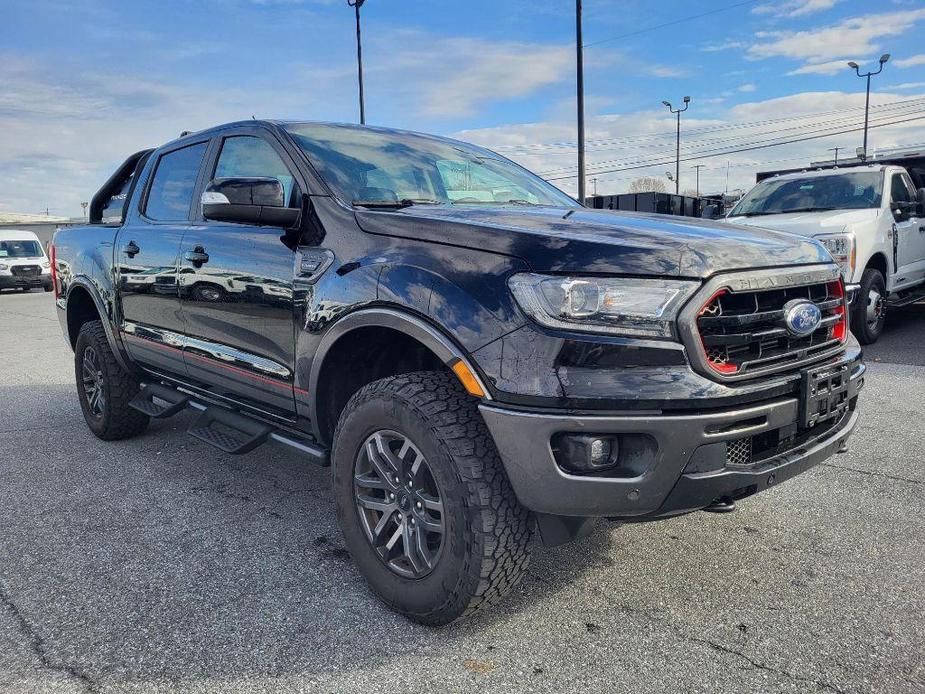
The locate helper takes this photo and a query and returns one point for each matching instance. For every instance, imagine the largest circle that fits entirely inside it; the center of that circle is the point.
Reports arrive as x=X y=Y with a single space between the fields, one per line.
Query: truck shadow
x=159 y=558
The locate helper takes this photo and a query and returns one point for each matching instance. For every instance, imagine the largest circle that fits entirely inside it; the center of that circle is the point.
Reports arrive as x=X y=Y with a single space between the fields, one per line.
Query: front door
x=147 y=259
x=236 y=284
x=909 y=228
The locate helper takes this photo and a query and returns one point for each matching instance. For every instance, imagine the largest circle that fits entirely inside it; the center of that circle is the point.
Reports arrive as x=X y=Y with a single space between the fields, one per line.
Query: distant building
x=43 y=226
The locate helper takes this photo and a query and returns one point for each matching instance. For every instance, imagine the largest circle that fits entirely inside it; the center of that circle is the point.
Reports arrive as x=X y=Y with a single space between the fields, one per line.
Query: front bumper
x=15 y=281
x=675 y=480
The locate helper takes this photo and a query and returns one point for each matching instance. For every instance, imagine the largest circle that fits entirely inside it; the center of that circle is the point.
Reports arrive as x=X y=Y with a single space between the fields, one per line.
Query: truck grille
x=26 y=270
x=744 y=334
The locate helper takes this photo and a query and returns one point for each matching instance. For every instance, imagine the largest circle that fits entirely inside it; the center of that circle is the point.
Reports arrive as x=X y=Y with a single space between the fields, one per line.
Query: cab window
x=900 y=190
x=248 y=157
x=171 y=192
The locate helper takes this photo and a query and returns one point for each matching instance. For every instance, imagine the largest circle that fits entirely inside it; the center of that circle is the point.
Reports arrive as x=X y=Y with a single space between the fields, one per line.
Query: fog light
x=586 y=453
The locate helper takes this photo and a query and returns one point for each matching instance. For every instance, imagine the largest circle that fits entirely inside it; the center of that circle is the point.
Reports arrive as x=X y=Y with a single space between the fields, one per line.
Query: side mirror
x=248 y=201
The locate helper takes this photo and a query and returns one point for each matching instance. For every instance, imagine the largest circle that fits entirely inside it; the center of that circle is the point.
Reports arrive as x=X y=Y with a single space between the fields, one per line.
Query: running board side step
x=229 y=431
x=906 y=298
x=174 y=401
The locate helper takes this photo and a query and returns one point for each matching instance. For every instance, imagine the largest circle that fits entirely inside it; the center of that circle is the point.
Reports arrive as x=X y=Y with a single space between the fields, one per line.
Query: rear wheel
x=424 y=505
x=869 y=314
x=105 y=388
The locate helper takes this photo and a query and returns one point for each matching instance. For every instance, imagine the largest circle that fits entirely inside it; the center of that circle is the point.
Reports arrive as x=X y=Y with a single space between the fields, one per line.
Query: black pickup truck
x=479 y=358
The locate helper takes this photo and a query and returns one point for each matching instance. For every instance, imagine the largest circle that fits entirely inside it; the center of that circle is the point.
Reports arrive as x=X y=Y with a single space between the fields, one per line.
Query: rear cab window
x=170 y=195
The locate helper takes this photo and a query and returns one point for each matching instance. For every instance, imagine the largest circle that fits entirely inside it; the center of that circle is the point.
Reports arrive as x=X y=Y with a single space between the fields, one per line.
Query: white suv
x=23 y=263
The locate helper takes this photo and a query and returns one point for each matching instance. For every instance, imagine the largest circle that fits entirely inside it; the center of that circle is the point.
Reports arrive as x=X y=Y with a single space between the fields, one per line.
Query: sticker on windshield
x=859 y=190
x=806 y=186
x=3 y=254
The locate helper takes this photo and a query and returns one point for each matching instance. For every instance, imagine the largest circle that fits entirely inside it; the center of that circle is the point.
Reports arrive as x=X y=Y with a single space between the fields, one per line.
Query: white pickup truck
x=870 y=217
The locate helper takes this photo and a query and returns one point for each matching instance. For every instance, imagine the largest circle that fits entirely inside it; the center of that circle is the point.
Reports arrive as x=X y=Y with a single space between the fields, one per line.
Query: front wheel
x=423 y=502
x=869 y=315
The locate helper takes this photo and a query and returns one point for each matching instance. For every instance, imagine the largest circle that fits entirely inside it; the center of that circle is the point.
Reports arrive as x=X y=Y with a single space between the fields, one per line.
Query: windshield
x=839 y=191
x=363 y=165
x=20 y=249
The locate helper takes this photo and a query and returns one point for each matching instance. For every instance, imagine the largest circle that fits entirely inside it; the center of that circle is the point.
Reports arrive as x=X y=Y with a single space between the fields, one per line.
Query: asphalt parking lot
x=161 y=565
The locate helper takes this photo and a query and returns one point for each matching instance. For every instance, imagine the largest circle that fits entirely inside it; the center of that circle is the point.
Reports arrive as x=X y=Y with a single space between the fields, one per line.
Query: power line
x=708 y=155
x=829 y=124
x=681 y=20
x=714 y=128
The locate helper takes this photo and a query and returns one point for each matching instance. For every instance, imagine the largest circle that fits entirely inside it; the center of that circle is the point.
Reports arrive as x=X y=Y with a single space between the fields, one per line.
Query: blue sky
x=84 y=84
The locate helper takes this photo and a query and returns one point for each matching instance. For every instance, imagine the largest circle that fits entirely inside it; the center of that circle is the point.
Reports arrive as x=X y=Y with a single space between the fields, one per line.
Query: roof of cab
x=812 y=173
x=17 y=235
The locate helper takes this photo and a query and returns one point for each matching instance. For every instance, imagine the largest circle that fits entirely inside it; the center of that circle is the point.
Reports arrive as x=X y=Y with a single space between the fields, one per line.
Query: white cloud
x=616 y=141
x=795 y=8
x=666 y=71
x=724 y=46
x=911 y=61
x=831 y=67
x=852 y=36
x=749 y=87
x=481 y=71
x=906 y=85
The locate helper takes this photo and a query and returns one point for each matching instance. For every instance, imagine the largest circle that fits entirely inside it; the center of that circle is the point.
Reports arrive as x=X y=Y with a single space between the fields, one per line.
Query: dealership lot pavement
x=161 y=565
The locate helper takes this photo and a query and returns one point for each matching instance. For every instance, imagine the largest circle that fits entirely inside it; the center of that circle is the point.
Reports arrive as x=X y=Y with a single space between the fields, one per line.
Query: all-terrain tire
x=872 y=285
x=488 y=533
x=115 y=420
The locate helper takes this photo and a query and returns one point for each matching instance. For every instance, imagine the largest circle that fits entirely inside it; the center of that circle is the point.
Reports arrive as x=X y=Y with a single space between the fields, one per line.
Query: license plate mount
x=824 y=394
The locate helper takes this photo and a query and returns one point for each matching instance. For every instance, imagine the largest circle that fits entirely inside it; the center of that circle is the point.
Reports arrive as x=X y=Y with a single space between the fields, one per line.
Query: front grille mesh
x=744 y=333
x=739 y=451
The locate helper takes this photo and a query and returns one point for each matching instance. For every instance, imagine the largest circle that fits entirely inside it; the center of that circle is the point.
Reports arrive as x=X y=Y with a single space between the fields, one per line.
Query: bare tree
x=648 y=184
x=690 y=192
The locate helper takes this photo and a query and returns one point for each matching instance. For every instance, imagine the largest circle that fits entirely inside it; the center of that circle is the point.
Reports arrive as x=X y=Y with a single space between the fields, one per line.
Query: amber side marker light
x=467 y=378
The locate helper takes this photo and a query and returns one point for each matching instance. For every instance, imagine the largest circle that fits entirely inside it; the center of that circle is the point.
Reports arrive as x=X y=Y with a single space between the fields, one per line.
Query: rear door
x=147 y=258
x=237 y=304
x=909 y=233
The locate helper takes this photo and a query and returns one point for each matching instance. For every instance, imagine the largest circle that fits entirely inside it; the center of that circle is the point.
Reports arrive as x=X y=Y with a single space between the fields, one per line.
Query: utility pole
x=697 y=169
x=356 y=5
x=835 y=149
x=883 y=58
x=594 y=183
x=581 y=102
x=677 y=163
x=727 y=175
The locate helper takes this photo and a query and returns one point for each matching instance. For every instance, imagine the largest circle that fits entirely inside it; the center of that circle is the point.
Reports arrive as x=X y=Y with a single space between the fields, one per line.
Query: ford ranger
x=481 y=360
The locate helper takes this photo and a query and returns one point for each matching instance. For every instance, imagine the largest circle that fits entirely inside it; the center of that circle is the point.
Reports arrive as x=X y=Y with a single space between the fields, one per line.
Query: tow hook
x=722 y=505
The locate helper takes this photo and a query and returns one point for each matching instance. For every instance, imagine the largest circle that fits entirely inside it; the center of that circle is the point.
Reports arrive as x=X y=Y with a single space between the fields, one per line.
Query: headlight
x=46 y=264
x=842 y=248
x=619 y=306
x=4 y=266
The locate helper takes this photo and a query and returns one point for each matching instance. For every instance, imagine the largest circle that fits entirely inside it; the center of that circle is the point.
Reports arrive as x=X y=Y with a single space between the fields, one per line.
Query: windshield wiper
x=393 y=204
x=795 y=209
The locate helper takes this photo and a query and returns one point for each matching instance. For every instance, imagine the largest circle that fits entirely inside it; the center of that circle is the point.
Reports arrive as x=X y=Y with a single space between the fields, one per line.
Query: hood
x=810 y=223
x=598 y=241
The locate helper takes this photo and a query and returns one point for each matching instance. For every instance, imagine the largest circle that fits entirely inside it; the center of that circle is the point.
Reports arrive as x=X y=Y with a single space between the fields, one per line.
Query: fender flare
x=106 y=318
x=445 y=349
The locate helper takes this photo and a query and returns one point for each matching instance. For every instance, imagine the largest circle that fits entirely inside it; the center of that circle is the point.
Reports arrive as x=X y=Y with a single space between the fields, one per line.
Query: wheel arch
x=878 y=261
x=84 y=303
x=415 y=340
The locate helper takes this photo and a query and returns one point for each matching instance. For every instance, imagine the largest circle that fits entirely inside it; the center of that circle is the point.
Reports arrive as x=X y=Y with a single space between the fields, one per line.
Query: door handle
x=197 y=256
x=132 y=249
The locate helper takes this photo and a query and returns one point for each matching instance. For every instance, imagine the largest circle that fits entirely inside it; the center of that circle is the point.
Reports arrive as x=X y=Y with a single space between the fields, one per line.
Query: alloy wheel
x=399 y=504
x=92 y=379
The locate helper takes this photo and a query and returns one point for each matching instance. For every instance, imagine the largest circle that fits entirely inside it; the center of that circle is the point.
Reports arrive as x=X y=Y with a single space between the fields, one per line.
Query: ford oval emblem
x=802 y=317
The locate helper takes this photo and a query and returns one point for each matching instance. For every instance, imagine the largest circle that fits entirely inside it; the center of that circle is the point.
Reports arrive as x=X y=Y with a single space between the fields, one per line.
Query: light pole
x=580 y=85
x=697 y=169
x=835 y=149
x=677 y=164
x=356 y=5
x=883 y=58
